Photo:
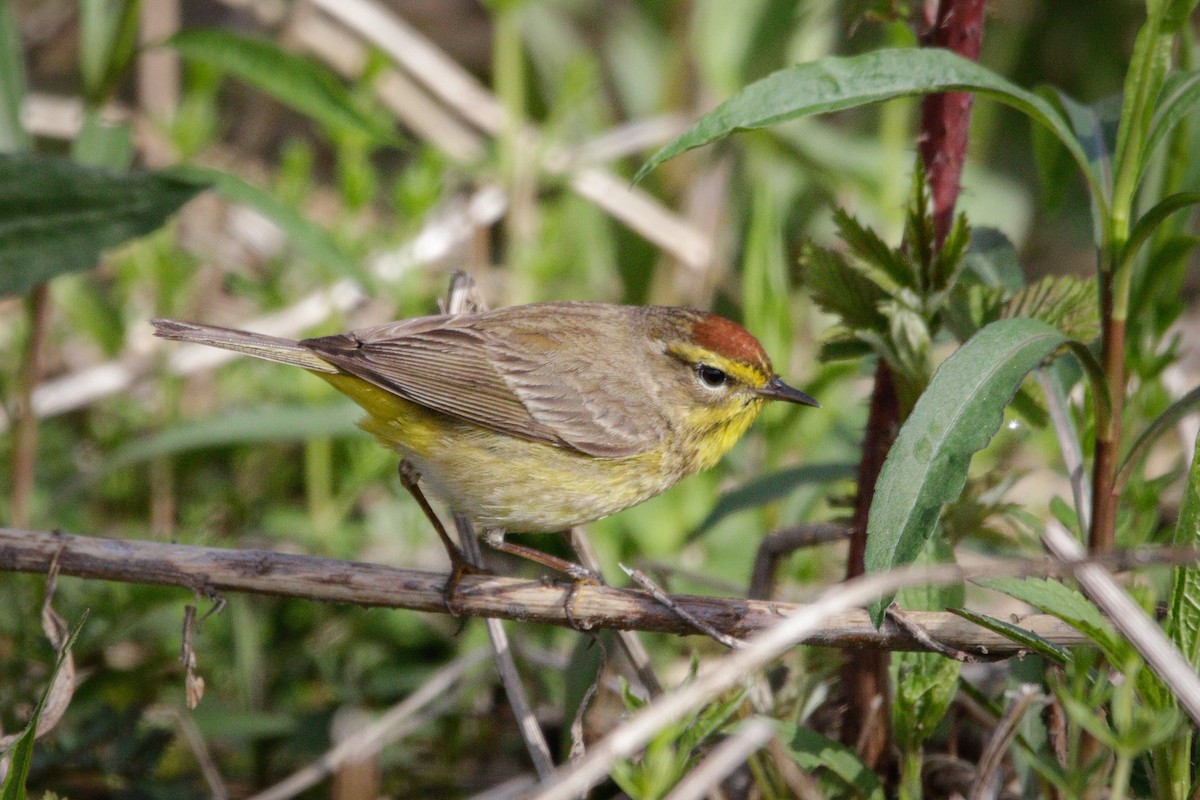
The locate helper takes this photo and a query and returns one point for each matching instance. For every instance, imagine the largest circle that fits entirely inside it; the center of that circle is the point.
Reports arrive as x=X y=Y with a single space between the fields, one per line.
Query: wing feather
x=503 y=370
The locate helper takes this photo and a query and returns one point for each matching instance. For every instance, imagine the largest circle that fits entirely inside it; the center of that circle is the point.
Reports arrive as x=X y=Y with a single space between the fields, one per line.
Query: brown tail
x=259 y=345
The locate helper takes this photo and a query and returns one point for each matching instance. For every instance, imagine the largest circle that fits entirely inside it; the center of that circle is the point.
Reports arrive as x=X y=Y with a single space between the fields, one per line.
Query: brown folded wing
x=503 y=370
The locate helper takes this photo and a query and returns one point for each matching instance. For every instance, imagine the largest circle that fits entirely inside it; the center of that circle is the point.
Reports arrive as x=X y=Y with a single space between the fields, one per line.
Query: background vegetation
x=332 y=171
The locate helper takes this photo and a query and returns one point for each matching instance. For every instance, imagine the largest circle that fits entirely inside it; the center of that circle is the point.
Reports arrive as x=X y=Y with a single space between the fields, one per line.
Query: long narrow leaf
x=956 y=416
x=1183 y=620
x=21 y=752
x=298 y=82
x=57 y=216
x=1144 y=228
x=1185 y=405
x=1178 y=98
x=13 y=137
x=836 y=84
x=306 y=236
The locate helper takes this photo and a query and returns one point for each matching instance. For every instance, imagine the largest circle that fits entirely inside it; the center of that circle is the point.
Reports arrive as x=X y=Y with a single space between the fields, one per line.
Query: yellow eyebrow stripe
x=742 y=373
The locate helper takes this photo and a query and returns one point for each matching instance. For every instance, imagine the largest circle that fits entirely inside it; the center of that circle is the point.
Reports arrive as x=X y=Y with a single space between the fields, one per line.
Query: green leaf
x=1054 y=597
x=57 y=216
x=883 y=265
x=771 y=487
x=957 y=415
x=1026 y=638
x=1063 y=301
x=306 y=236
x=295 y=81
x=13 y=137
x=842 y=290
x=274 y=423
x=102 y=145
x=924 y=684
x=21 y=751
x=1176 y=100
x=836 y=83
x=1165 y=421
x=811 y=751
x=1148 y=223
x=765 y=290
x=108 y=38
x=1183 y=618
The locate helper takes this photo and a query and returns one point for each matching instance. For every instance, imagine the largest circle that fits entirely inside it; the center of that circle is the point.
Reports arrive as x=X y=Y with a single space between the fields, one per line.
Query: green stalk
x=1152 y=52
x=318 y=483
x=910 y=775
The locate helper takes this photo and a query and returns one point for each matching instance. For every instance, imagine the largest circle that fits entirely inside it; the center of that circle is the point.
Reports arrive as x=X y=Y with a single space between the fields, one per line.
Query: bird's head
x=722 y=378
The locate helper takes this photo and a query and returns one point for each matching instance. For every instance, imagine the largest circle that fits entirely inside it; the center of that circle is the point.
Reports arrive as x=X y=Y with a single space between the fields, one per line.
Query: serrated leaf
x=843 y=291
x=1065 y=302
x=301 y=83
x=1026 y=638
x=957 y=415
x=844 y=347
x=1054 y=597
x=57 y=216
x=1183 y=619
x=811 y=751
x=883 y=265
x=837 y=83
x=924 y=685
x=973 y=307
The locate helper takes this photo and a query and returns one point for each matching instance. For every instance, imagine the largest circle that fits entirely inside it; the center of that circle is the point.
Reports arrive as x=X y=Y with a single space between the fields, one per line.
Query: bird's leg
x=459 y=565
x=495 y=540
x=579 y=575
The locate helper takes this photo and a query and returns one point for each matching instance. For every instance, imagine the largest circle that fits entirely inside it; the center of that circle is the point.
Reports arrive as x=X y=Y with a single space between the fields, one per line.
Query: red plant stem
x=945 y=122
x=946 y=118
x=26 y=432
x=864 y=676
x=1104 y=471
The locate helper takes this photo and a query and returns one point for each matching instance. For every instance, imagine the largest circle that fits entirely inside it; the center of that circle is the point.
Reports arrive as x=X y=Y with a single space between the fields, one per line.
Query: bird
x=540 y=417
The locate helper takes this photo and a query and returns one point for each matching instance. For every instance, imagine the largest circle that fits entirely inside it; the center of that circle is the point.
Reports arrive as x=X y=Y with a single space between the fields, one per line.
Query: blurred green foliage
x=315 y=189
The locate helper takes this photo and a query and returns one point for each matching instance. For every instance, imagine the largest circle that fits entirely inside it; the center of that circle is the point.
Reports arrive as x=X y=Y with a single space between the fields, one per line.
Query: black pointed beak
x=776 y=389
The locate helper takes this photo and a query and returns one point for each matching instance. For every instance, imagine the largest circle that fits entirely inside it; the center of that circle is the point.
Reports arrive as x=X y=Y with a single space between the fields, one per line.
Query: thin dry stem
x=209 y=571
x=396 y=723
x=26 y=434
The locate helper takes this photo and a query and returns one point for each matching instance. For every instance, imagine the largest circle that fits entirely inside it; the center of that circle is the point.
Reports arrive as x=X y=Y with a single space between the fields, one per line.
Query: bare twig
x=1142 y=632
x=987 y=779
x=723 y=760
x=631 y=644
x=191 y=735
x=730 y=671
x=464 y=297
x=26 y=434
x=903 y=619
x=641 y=579
x=782 y=542
x=506 y=666
x=395 y=724
x=454 y=86
x=210 y=570
x=1069 y=447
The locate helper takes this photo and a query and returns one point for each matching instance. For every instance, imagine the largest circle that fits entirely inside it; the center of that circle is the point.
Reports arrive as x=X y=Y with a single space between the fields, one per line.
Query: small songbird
x=539 y=417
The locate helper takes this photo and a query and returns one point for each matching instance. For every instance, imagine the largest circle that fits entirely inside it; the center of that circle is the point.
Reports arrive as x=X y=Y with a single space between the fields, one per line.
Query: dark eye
x=711 y=377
